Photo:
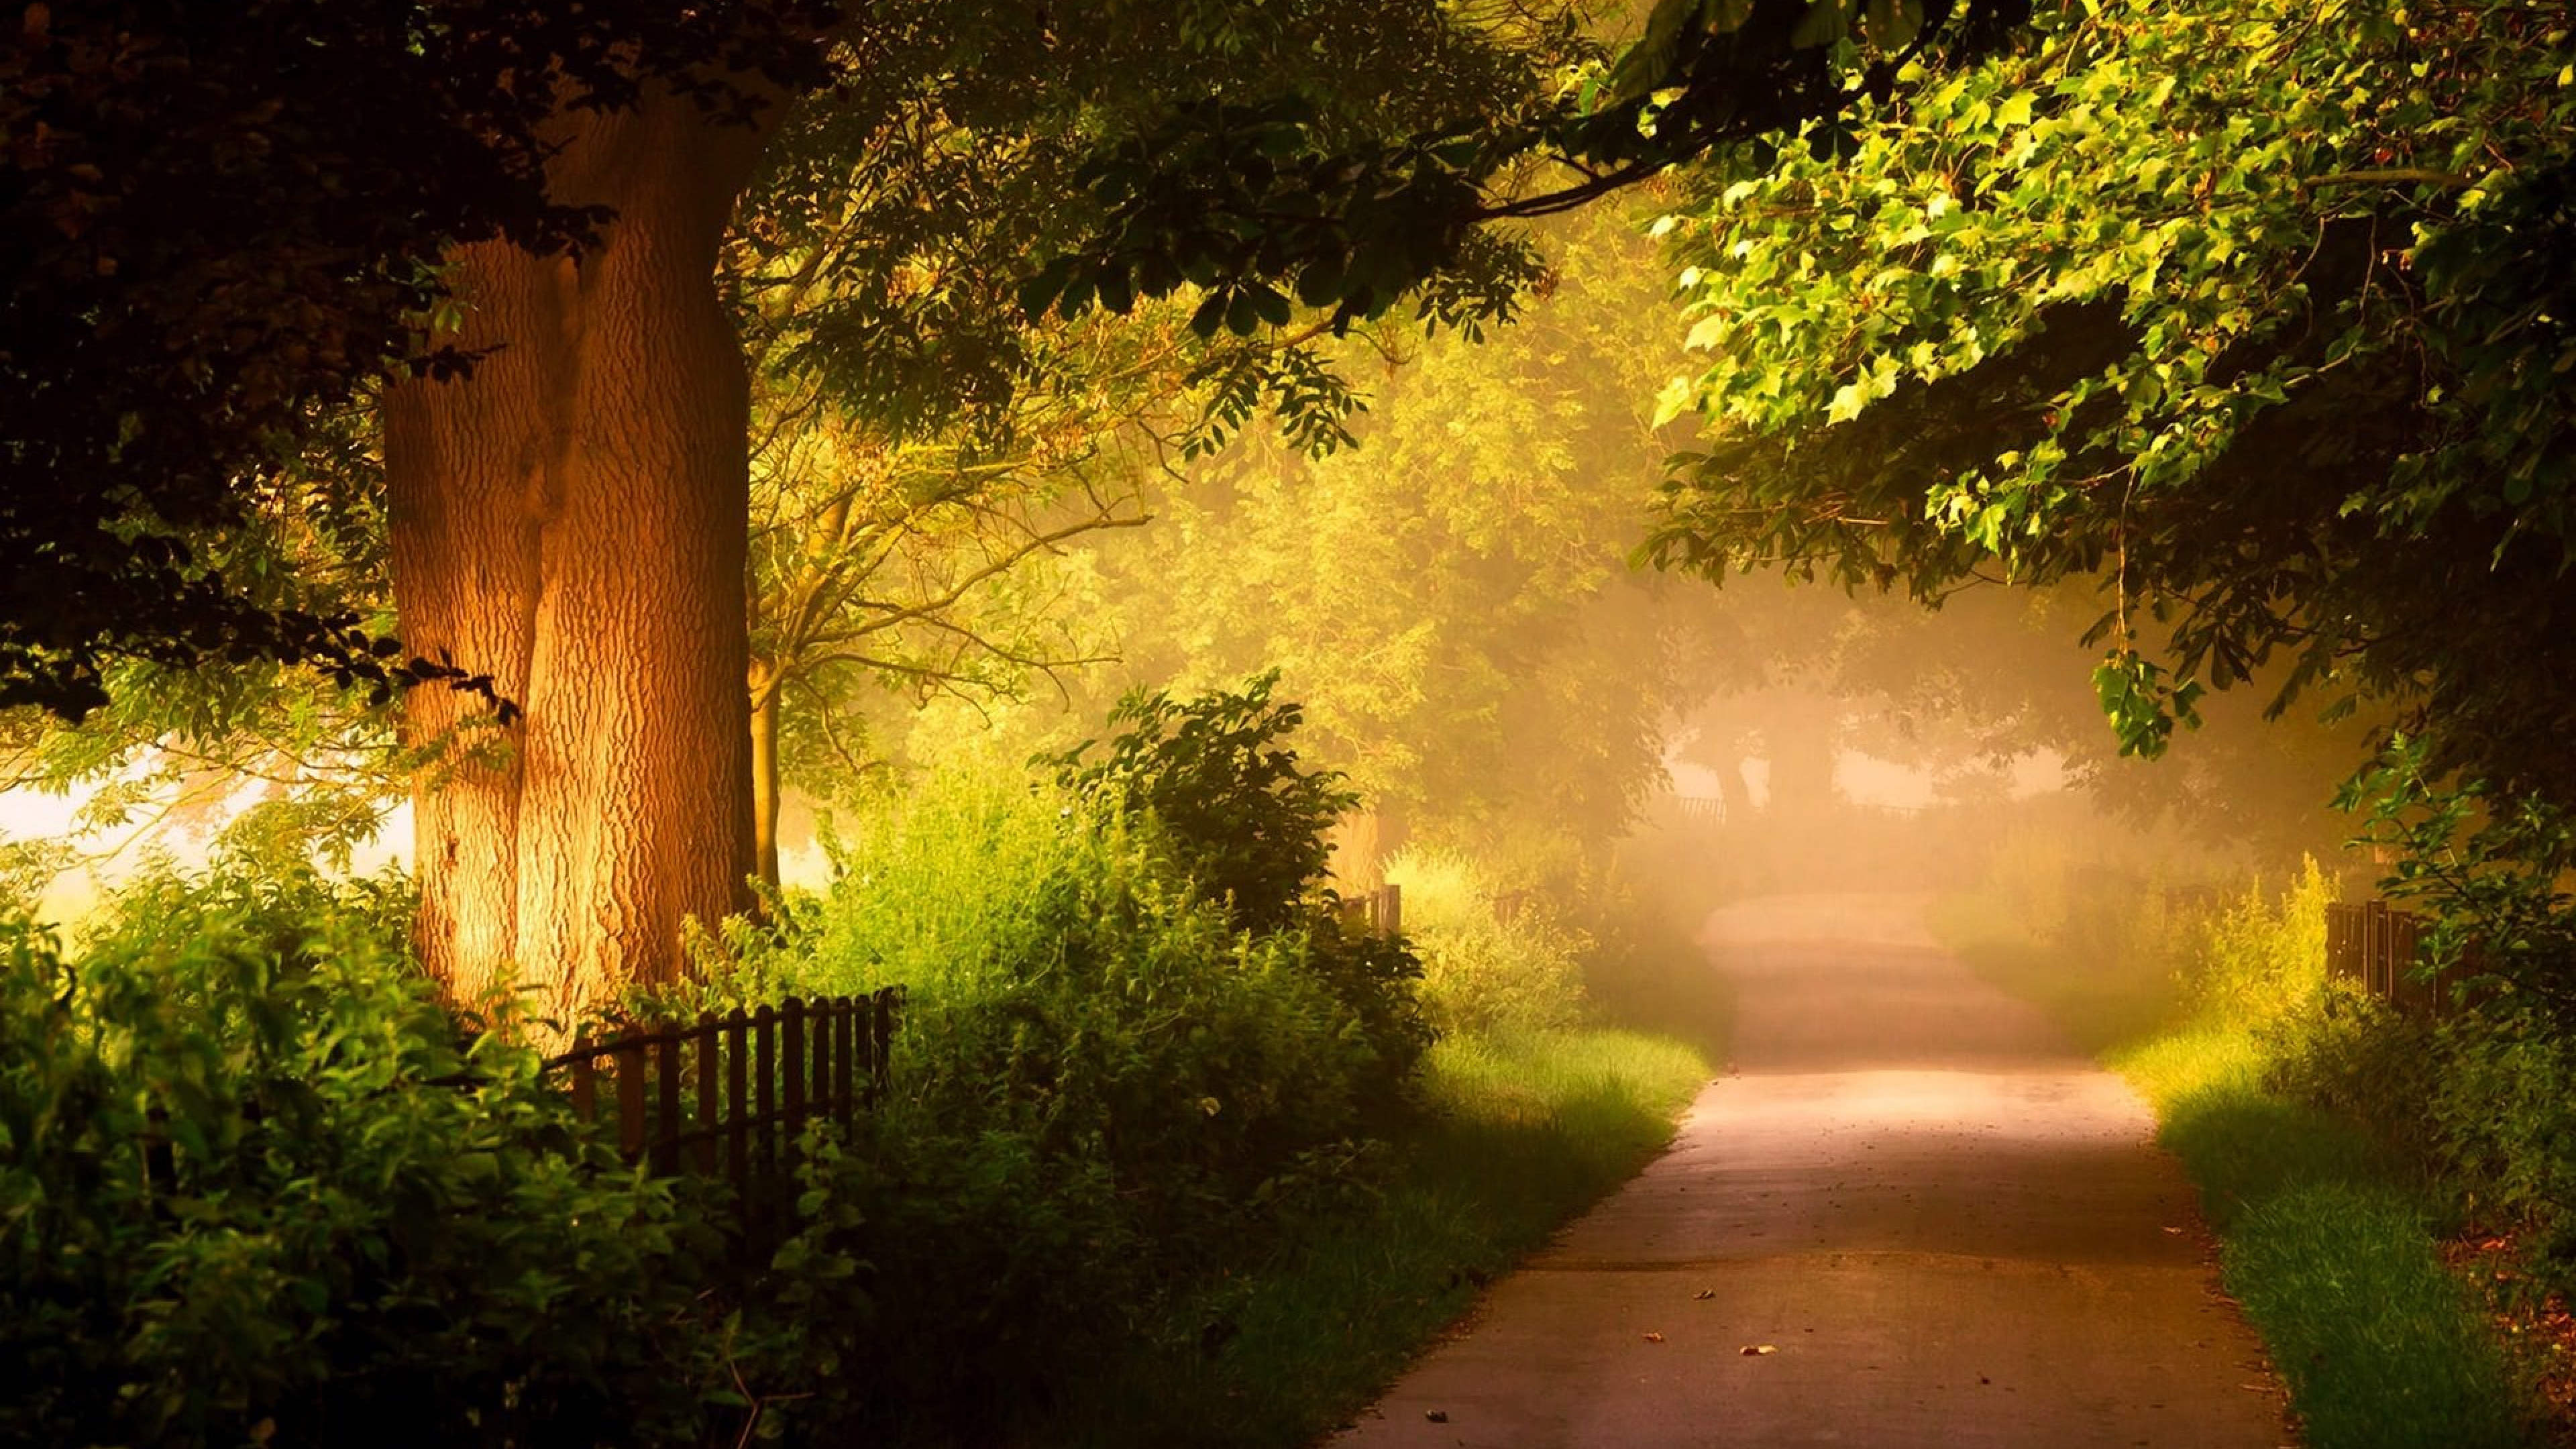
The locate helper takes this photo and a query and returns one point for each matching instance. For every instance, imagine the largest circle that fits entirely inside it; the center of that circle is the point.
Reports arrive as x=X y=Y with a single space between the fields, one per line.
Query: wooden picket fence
x=2377 y=947
x=731 y=1094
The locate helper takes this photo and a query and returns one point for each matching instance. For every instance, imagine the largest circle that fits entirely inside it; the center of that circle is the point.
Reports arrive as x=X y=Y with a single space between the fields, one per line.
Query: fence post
x=666 y=1103
x=764 y=1085
x=791 y=1051
x=630 y=1100
x=819 y=1101
x=2374 y=927
x=585 y=1087
x=845 y=1088
x=709 y=1116
x=738 y=1133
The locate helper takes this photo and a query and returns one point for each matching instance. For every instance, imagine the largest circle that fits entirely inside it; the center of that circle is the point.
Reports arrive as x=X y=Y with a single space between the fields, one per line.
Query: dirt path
x=1951 y=1228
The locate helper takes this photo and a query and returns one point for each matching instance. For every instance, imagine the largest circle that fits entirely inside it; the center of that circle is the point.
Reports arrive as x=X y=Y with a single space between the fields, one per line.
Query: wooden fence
x=1381 y=910
x=2378 y=948
x=732 y=1094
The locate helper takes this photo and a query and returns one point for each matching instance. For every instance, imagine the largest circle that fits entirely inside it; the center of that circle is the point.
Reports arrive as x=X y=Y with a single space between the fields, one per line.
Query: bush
x=364 y=1225
x=1242 y=820
x=1064 y=987
x=1097 y=1078
x=1480 y=972
x=2501 y=1110
x=2260 y=963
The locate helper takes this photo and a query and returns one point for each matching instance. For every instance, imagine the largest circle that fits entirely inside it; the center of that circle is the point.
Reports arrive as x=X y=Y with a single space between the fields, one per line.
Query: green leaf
x=1210 y=314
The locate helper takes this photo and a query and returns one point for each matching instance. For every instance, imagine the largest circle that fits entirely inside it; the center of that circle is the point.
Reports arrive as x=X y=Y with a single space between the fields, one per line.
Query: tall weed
x=1490 y=963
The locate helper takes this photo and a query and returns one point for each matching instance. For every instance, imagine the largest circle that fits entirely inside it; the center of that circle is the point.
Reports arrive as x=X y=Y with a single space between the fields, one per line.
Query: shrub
x=1064 y=987
x=1481 y=973
x=2350 y=1053
x=2501 y=1109
x=2260 y=962
x=1241 y=818
x=1098 y=1076
x=255 y=1184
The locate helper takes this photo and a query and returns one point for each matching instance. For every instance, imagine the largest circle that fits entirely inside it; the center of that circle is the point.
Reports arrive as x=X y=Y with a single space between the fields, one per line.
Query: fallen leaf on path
x=1437 y=1416
x=1654 y=1338
x=1703 y=1295
x=1756 y=1350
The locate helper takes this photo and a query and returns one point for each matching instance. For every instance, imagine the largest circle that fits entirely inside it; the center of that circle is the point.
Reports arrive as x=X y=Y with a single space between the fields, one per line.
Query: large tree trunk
x=571 y=519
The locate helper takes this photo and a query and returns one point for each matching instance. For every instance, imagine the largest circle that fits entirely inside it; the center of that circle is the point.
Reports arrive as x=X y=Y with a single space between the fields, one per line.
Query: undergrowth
x=1168 y=1154
x=2265 y=1084
x=1519 y=1134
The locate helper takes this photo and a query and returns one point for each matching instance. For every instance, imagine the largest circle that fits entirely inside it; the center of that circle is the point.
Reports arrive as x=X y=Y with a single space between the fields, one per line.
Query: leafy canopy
x=2254 y=312
x=223 y=226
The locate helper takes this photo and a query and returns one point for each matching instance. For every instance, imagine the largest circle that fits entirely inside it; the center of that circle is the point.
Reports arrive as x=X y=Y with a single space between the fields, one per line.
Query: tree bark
x=572 y=520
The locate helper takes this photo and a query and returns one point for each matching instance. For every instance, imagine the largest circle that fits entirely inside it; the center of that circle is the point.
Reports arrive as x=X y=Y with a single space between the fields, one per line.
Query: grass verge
x=2333 y=1247
x=2329 y=1241
x=1524 y=1132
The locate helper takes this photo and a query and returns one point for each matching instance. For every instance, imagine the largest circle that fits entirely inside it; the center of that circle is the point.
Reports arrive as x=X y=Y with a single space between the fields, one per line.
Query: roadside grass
x=2329 y=1240
x=2332 y=1245
x=1521 y=1133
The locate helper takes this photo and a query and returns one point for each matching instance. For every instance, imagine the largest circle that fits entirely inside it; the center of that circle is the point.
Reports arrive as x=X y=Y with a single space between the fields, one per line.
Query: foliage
x=224 y=231
x=363 y=1221
x=2242 y=312
x=2491 y=866
x=1246 y=201
x=2499 y=1107
x=925 y=449
x=2257 y=960
x=1221 y=782
x=1100 y=1081
x=1451 y=600
x=1484 y=975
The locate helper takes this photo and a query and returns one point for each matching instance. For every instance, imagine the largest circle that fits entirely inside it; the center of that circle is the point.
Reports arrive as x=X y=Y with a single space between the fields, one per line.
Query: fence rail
x=2378 y=947
x=731 y=1094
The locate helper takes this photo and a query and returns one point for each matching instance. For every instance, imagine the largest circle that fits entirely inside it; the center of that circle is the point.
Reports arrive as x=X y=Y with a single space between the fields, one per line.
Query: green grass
x=2331 y=1244
x=2329 y=1240
x=1524 y=1133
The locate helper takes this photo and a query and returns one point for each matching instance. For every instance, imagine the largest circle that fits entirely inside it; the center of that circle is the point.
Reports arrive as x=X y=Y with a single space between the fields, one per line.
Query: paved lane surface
x=1950 y=1228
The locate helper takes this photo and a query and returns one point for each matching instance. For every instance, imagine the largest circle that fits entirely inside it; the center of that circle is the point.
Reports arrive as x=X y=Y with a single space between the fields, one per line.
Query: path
x=1951 y=1228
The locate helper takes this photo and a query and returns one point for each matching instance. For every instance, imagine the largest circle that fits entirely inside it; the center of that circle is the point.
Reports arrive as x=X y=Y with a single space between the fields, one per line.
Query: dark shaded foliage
x=219 y=224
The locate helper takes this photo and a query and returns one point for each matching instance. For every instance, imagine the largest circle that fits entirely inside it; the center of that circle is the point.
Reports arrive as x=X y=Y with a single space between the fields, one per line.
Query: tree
x=572 y=516
x=2226 y=308
x=625 y=804
x=565 y=454
x=223 y=228
x=1450 y=597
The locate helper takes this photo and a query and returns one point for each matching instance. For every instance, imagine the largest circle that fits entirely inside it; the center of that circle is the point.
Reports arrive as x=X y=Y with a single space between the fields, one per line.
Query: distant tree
x=1451 y=599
